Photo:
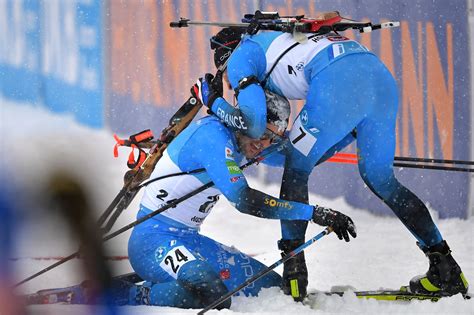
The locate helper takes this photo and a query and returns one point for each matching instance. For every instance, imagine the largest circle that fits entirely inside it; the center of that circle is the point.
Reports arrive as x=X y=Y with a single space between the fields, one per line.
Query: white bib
x=190 y=212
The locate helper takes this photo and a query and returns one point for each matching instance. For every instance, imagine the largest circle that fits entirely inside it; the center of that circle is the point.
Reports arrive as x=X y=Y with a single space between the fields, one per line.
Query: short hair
x=278 y=110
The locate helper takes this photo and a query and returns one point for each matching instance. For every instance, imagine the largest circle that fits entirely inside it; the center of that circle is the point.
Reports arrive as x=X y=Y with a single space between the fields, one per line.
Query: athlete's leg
x=333 y=109
x=176 y=273
x=235 y=267
x=338 y=147
x=376 y=144
x=376 y=149
x=334 y=105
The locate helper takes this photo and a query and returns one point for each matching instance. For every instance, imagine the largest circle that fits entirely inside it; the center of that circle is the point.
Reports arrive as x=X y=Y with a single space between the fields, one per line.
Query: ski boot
x=295 y=273
x=444 y=276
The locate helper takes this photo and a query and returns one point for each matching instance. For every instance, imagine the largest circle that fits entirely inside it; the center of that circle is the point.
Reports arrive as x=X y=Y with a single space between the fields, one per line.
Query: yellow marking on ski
x=396 y=297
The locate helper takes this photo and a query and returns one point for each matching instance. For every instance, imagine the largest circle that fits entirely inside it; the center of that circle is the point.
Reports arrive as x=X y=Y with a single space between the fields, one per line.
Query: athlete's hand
x=207 y=89
x=341 y=223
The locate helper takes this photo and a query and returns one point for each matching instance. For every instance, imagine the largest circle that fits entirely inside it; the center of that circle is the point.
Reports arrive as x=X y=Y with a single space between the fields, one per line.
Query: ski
x=76 y=294
x=384 y=295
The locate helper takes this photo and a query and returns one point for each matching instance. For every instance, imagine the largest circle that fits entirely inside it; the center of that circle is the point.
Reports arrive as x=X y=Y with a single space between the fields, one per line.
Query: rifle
x=328 y=22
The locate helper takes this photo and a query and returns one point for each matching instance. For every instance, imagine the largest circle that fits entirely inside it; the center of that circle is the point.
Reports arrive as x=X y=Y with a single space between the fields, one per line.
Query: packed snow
x=36 y=142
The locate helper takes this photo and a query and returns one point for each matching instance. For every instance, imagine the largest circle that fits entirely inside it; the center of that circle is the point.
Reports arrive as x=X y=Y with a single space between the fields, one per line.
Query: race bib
x=301 y=138
x=175 y=259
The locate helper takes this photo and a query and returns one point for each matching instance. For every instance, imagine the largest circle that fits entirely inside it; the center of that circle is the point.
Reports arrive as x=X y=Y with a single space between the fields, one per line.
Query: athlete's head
x=278 y=115
x=224 y=42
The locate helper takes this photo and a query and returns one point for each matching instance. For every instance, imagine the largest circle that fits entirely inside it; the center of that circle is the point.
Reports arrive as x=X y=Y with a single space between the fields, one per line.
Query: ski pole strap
x=134 y=142
x=266 y=270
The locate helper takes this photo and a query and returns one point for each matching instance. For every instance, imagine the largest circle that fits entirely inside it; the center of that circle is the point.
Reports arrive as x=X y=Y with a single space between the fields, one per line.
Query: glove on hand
x=341 y=223
x=295 y=273
x=207 y=89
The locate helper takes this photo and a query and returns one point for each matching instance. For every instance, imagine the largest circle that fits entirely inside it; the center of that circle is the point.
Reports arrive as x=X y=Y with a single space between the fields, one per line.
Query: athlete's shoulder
x=211 y=122
x=216 y=140
x=197 y=133
x=212 y=130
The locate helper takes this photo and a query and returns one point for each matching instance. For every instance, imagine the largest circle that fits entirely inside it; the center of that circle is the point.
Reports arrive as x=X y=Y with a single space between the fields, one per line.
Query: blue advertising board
x=51 y=54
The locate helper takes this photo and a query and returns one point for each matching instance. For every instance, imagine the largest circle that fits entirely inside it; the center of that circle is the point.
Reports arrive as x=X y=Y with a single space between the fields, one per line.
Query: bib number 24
x=175 y=259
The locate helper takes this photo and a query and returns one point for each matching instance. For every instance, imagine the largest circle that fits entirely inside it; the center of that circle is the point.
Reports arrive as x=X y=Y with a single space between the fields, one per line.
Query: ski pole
x=112 y=206
x=429 y=160
x=172 y=204
x=353 y=156
x=411 y=162
x=267 y=270
x=434 y=167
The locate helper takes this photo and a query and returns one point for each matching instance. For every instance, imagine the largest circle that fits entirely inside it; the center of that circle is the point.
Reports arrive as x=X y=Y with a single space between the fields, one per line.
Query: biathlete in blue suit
x=349 y=94
x=183 y=268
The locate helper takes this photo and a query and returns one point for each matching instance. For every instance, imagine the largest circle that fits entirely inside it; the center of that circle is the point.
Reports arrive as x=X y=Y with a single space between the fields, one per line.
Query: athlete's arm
x=224 y=171
x=247 y=60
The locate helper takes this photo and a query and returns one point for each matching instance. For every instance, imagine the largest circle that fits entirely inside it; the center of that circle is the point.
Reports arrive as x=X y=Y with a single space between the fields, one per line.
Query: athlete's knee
x=382 y=182
x=170 y=293
x=295 y=185
x=199 y=277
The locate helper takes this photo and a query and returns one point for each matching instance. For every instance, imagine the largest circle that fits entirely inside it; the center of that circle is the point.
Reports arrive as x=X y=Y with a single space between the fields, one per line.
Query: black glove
x=209 y=88
x=295 y=273
x=341 y=223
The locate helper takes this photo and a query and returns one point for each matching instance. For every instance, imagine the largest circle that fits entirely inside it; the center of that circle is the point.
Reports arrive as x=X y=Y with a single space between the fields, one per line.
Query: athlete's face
x=250 y=147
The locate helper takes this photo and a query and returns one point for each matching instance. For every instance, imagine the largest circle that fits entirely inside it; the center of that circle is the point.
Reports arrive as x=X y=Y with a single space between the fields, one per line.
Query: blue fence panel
x=19 y=50
x=53 y=56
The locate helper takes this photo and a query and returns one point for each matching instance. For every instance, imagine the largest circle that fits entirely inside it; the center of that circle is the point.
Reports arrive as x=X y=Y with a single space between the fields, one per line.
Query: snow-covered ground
x=35 y=142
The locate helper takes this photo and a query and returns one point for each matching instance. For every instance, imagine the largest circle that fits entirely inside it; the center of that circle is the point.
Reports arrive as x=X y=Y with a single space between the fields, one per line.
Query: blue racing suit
x=182 y=267
x=346 y=88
